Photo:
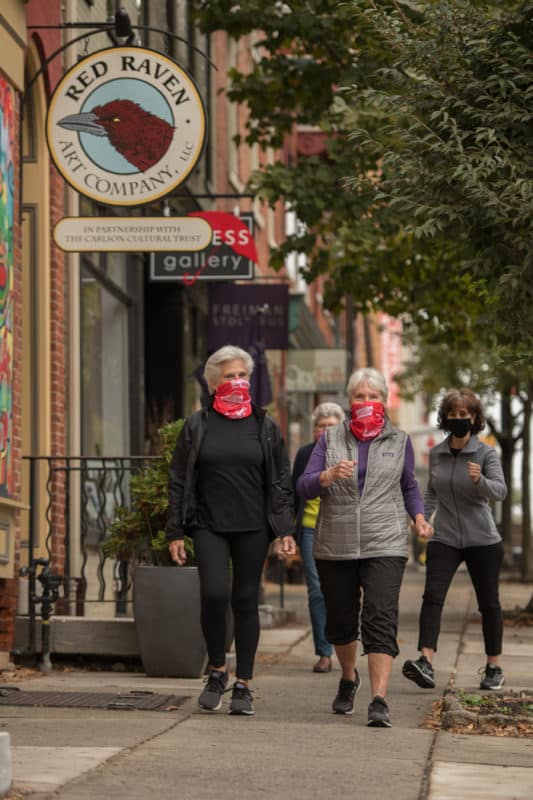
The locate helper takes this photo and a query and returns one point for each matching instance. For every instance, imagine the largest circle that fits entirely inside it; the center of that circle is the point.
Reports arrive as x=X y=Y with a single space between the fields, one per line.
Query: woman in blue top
x=323 y=417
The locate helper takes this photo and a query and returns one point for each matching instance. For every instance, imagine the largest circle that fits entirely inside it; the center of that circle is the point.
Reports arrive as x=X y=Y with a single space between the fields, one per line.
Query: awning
x=303 y=329
x=316 y=370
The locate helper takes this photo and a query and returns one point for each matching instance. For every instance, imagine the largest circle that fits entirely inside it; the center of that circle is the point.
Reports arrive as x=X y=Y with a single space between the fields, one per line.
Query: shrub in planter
x=138 y=533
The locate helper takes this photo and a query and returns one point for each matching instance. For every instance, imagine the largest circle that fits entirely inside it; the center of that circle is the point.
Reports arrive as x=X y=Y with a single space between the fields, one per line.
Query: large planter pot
x=166 y=603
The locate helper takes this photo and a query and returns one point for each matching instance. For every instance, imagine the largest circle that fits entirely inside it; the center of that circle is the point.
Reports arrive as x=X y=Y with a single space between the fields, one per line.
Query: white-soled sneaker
x=378 y=713
x=344 y=702
x=241 y=700
x=492 y=677
x=210 y=698
x=420 y=671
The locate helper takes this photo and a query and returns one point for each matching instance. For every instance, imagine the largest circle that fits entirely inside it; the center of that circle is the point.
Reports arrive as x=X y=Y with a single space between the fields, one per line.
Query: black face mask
x=459 y=427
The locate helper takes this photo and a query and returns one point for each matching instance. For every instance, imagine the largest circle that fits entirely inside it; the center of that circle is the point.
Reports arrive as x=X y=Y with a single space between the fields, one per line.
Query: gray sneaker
x=492 y=678
x=420 y=671
x=241 y=700
x=378 y=713
x=344 y=702
x=210 y=698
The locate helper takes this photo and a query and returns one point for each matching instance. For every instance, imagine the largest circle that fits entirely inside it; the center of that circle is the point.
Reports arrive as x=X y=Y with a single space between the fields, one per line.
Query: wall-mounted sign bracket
x=120 y=29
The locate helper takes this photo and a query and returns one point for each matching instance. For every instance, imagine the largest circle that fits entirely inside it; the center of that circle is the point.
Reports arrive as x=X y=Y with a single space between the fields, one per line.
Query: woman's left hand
x=287 y=546
x=474 y=470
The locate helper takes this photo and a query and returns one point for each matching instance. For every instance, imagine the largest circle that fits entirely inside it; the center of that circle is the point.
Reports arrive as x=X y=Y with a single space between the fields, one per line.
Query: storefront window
x=105 y=357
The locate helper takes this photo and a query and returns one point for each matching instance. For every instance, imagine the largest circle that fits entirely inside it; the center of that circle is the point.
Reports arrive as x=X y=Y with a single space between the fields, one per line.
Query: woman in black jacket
x=229 y=488
x=324 y=416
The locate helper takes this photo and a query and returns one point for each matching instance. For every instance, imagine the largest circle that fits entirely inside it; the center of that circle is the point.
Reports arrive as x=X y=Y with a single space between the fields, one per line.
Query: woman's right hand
x=343 y=469
x=177 y=551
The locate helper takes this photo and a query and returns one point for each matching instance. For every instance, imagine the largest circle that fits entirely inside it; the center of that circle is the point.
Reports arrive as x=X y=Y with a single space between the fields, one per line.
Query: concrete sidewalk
x=294 y=746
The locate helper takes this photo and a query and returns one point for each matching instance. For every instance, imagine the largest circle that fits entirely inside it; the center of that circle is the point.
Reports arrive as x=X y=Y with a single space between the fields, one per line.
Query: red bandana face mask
x=367 y=420
x=232 y=399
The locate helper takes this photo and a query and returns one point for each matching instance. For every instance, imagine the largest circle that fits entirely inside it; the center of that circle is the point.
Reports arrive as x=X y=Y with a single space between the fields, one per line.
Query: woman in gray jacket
x=464 y=476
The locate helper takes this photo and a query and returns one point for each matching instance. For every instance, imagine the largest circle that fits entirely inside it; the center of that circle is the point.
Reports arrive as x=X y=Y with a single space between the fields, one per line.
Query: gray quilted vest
x=368 y=525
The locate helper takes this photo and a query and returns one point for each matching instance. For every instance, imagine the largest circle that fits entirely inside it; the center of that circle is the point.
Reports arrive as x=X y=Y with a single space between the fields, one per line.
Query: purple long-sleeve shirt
x=308 y=484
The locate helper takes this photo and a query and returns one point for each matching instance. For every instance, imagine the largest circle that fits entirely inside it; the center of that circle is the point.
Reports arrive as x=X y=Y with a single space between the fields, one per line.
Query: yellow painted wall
x=13 y=41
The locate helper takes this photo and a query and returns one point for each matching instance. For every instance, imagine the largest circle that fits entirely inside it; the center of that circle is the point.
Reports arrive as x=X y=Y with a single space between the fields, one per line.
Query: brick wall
x=39 y=13
x=58 y=369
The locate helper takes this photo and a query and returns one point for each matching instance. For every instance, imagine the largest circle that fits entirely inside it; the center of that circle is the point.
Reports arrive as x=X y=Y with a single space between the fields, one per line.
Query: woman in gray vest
x=464 y=476
x=363 y=471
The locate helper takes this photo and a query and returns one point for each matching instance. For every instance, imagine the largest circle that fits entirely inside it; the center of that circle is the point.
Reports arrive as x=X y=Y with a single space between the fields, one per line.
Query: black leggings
x=484 y=565
x=247 y=552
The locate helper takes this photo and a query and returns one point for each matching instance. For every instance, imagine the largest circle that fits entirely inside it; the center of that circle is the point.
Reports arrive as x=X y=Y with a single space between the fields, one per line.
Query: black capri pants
x=483 y=564
x=378 y=580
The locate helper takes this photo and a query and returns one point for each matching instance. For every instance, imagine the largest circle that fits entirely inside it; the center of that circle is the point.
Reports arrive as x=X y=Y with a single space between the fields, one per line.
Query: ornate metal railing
x=81 y=495
x=73 y=502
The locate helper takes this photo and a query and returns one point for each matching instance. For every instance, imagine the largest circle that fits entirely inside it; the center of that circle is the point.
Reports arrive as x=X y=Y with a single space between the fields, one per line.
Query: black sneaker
x=241 y=700
x=421 y=672
x=492 y=677
x=210 y=698
x=378 y=713
x=344 y=702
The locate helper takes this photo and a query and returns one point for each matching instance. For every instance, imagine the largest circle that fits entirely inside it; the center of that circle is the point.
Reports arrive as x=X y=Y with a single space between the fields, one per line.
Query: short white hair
x=327 y=410
x=369 y=375
x=229 y=352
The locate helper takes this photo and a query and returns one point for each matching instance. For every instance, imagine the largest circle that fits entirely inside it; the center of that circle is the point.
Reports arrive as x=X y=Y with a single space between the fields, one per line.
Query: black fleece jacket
x=183 y=476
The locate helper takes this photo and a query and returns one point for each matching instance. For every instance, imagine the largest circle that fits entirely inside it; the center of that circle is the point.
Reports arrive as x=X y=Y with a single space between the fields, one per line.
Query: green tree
x=421 y=205
x=384 y=72
x=457 y=161
x=305 y=52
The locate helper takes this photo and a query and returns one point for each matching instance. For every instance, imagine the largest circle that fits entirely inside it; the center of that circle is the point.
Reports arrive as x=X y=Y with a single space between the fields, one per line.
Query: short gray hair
x=327 y=410
x=214 y=363
x=369 y=375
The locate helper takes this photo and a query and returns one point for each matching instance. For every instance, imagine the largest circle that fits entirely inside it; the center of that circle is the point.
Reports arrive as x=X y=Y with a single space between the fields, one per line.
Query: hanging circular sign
x=125 y=126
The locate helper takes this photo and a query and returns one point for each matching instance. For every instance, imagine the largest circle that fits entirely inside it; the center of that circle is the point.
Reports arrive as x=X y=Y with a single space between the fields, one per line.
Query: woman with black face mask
x=465 y=475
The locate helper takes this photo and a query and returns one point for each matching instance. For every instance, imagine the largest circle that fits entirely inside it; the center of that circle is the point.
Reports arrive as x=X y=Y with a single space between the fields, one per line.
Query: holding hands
x=422 y=528
x=284 y=547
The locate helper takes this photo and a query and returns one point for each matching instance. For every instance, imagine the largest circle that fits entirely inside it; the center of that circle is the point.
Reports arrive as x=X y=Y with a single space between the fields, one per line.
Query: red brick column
x=58 y=370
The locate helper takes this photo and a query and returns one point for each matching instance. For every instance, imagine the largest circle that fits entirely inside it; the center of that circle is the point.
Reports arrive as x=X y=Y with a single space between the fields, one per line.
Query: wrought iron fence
x=82 y=495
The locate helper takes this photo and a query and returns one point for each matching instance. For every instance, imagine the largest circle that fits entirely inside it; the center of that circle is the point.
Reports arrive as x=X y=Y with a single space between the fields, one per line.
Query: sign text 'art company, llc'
x=125 y=126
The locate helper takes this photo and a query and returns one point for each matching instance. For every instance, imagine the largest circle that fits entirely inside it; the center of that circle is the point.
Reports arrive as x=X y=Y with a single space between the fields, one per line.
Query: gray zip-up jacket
x=368 y=525
x=463 y=516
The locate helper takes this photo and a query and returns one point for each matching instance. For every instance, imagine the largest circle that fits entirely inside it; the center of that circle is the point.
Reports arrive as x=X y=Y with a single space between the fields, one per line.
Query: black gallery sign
x=226 y=257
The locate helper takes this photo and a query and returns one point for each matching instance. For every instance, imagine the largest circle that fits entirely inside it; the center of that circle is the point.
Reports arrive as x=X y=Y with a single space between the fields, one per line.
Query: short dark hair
x=461 y=398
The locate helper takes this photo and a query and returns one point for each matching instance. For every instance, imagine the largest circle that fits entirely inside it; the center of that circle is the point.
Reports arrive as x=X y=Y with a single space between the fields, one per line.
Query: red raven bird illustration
x=141 y=137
